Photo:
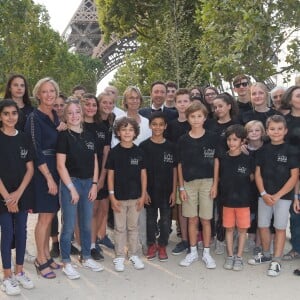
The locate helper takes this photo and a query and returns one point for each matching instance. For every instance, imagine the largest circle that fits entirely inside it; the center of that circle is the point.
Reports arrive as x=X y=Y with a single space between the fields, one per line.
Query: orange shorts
x=239 y=217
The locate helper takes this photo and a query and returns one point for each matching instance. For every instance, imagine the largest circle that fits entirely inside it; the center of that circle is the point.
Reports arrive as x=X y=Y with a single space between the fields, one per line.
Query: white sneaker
x=209 y=261
x=29 y=257
x=91 y=264
x=137 y=263
x=70 y=272
x=220 y=247
x=274 y=269
x=189 y=259
x=10 y=286
x=119 y=264
x=25 y=281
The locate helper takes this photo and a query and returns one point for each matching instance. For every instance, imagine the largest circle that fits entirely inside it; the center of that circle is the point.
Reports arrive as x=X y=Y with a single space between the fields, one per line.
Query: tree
x=166 y=34
x=248 y=37
x=29 y=46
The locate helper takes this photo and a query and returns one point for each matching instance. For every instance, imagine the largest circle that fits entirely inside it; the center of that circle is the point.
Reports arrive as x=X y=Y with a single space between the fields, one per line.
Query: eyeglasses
x=238 y=85
x=210 y=94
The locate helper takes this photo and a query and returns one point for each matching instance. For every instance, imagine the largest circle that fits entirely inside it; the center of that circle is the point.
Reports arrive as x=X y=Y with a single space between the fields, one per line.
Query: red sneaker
x=151 y=254
x=162 y=253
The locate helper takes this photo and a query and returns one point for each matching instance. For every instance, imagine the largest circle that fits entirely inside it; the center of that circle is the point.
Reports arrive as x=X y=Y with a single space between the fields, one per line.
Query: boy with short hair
x=176 y=128
x=234 y=170
x=127 y=184
x=276 y=174
x=161 y=185
x=196 y=151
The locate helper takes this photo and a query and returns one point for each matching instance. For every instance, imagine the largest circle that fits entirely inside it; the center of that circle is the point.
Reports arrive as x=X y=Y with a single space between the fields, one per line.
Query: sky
x=61 y=12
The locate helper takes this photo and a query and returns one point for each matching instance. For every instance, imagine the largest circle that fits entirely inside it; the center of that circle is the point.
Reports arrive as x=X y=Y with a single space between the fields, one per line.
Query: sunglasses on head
x=238 y=85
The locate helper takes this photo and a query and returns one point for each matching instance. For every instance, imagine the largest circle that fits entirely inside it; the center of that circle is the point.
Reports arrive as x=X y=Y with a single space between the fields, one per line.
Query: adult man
x=171 y=90
x=241 y=84
x=158 y=96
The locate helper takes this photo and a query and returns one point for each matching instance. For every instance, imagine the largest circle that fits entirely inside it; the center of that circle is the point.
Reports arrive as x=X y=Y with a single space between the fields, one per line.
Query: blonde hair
x=78 y=104
x=262 y=86
x=128 y=92
x=252 y=123
x=39 y=84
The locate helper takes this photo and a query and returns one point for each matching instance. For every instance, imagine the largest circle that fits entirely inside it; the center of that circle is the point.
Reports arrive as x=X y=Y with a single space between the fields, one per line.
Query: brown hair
x=124 y=122
x=195 y=106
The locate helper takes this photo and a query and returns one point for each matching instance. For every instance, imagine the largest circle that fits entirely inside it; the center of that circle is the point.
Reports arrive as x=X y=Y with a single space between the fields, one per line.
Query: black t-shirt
x=293 y=134
x=235 y=183
x=176 y=129
x=196 y=155
x=243 y=107
x=101 y=137
x=259 y=116
x=15 y=152
x=80 y=152
x=160 y=162
x=127 y=164
x=276 y=162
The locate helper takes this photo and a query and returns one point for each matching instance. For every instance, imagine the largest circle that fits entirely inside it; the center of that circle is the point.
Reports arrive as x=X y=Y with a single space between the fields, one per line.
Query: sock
x=205 y=251
x=267 y=253
x=76 y=245
x=277 y=259
x=93 y=245
x=193 y=249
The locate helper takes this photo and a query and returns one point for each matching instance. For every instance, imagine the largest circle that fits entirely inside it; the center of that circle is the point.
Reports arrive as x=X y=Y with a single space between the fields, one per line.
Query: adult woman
x=42 y=126
x=77 y=166
x=196 y=93
x=291 y=100
x=101 y=206
x=17 y=90
x=259 y=100
x=210 y=94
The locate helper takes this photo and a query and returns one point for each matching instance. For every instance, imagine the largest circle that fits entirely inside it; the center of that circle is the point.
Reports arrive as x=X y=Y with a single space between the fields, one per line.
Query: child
x=16 y=195
x=127 y=184
x=196 y=151
x=255 y=140
x=234 y=170
x=175 y=129
x=277 y=171
x=161 y=185
x=77 y=166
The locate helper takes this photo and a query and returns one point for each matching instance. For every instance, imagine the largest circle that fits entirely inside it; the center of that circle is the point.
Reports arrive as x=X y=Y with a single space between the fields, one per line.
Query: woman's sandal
x=39 y=268
x=291 y=255
x=53 y=265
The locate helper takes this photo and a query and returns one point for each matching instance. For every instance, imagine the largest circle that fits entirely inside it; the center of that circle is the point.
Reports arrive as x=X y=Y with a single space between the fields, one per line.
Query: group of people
x=221 y=167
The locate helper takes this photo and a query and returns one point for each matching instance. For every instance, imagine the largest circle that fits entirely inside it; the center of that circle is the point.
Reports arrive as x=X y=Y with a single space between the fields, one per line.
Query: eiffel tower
x=84 y=36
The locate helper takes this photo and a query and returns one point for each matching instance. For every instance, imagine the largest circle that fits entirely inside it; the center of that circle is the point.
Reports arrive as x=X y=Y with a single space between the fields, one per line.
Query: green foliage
x=247 y=37
x=29 y=46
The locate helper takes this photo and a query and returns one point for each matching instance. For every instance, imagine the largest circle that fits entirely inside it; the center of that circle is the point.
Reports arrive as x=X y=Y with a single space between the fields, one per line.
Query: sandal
x=39 y=268
x=53 y=265
x=291 y=255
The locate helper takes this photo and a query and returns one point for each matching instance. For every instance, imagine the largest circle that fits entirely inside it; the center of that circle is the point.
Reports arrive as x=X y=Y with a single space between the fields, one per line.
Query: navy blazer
x=169 y=113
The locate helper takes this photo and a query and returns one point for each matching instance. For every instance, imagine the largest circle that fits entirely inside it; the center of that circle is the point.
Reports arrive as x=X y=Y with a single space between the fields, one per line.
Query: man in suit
x=158 y=95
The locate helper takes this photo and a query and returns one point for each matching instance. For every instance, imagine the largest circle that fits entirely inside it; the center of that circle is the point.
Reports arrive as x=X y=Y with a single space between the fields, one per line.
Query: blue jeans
x=295 y=230
x=13 y=227
x=84 y=210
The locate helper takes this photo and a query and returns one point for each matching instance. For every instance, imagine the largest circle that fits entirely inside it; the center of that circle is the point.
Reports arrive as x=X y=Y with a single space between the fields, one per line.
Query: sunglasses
x=238 y=85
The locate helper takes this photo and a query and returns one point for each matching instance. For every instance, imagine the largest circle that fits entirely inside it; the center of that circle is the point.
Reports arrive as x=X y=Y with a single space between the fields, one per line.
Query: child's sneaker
x=257 y=250
x=25 y=281
x=229 y=263
x=180 y=248
x=92 y=265
x=220 y=247
x=151 y=253
x=107 y=242
x=70 y=272
x=259 y=259
x=209 y=261
x=189 y=259
x=119 y=264
x=10 y=286
x=238 y=264
x=274 y=269
x=162 y=253
x=137 y=263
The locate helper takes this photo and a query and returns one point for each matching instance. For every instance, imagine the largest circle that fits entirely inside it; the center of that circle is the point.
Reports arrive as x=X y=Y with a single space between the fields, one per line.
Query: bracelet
x=70 y=185
x=95 y=182
x=181 y=188
x=263 y=193
x=111 y=192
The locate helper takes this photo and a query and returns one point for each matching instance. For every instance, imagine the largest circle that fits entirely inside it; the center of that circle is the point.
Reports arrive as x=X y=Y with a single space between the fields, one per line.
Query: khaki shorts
x=199 y=202
x=178 y=199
